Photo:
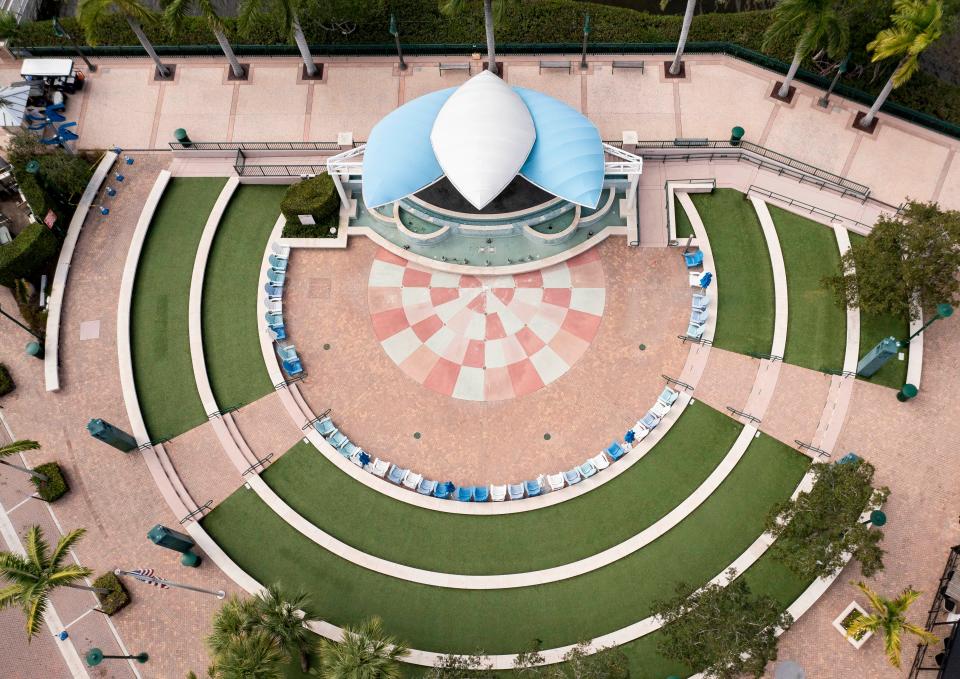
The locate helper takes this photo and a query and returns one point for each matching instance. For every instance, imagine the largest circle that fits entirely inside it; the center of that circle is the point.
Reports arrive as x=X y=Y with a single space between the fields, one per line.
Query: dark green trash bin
x=908 y=392
x=736 y=134
x=181 y=136
x=171 y=539
x=35 y=349
x=106 y=432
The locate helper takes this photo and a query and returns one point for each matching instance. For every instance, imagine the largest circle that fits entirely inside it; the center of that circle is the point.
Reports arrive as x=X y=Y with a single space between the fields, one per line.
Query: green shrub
x=118 y=596
x=27 y=254
x=317 y=197
x=6 y=381
x=56 y=485
x=28 y=301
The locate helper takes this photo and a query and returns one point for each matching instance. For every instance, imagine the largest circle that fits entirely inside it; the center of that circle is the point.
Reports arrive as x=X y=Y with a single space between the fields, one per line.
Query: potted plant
x=847 y=617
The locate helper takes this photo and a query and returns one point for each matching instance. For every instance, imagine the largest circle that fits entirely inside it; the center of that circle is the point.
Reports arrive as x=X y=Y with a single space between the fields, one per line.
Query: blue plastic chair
x=277 y=332
x=287 y=352
x=700 y=301
x=481 y=493
x=325 y=427
x=293 y=367
x=650 y=420
x=515 y=491
x=572 y=476
x=278 y=263
x=668 y=396
x=426 y=487
x=273 y=318
x=587 y=469
x=533 y=488
x=695 y=331
x=396 y=474
x=349 y=449
x=272 y=290
x=698 y=316
x=337 y=439
x=693 y=259
x=464 y=494
x=276 y=277
x=615 y=451
x=443 y=490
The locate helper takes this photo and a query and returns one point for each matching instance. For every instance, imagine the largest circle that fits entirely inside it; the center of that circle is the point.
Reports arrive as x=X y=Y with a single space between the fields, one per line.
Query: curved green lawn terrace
x=498 y=621
x=507 y=543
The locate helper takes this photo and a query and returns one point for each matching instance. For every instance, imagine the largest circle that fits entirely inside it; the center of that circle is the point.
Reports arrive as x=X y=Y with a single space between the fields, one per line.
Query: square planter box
x=838 y=624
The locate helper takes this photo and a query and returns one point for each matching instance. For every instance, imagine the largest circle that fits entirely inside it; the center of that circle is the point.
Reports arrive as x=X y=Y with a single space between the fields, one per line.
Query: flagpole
x=169 y=583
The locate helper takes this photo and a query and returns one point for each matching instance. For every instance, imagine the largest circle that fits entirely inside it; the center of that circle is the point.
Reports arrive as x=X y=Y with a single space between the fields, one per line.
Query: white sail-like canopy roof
x=482 y=135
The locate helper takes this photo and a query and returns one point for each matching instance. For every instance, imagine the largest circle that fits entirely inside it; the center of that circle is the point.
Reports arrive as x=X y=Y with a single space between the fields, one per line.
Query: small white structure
x=837 y=623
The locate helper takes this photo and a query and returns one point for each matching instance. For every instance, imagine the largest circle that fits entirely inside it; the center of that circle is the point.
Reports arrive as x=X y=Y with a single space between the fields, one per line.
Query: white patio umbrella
x=13 y=105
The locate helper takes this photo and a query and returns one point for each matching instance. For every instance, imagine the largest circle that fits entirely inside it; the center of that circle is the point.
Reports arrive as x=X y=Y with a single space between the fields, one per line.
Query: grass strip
x=682 y=221
x=746 y=303
x=501 y=621
x=817 y=327
x=159 y=331
x=508 y=543
x=874 y=328
x=231 y=343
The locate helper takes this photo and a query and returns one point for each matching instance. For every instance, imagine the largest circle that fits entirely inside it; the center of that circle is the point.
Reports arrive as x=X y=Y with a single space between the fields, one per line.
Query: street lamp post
x=396 y=39
x=95 y=656
x=824 y=101
x=586 y=34
x=4 y=313
x=149 y=579
x=877 y=518
x=875 y=359
x=944 y=310
x=61 y=32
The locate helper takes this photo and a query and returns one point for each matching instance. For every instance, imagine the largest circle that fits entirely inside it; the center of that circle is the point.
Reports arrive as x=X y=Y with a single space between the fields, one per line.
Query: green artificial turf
x=500 y=621
x=817 y=327
x=683 y=225
x=159 y=331
x=874 y=328
x=231 y=343
x=507 y=543
x=746 y=303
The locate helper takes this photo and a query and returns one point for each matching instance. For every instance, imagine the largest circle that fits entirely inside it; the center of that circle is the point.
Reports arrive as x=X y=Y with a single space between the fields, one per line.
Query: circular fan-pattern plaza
x=486 y=338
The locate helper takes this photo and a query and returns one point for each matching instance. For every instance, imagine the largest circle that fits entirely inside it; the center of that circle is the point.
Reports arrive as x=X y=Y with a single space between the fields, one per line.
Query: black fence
x=532 y=49
x=255 y=146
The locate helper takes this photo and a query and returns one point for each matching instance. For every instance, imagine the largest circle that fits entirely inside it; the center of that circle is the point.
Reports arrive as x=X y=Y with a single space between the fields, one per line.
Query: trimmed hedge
x=27 y=254
x=316 y=196
x=53 y=489
x=118 y=597
x=533 y=21
x=6 y=381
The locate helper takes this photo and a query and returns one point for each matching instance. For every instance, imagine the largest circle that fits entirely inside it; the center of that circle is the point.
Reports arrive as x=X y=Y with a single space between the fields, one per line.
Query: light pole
x=944 y=310
x=4 y=313
x=396 y=38
x=61 y=32
x=824 y=101
x=95 y=656
x=149 y=579
x=877 y=518
x=586 y=33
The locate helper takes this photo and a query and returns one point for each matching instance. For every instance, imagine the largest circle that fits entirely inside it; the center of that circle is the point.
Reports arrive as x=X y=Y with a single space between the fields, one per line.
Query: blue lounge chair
x=587 y=469
x=650 y=420
x=287 y=352
x=693 y=258
x=272 y=290
x=443 y=490
x=396 y=474
x=427 y=487
x=668 y=396
x=533 y=488
x=464 y=494
x=572 y=476
x=277 y=332
x=515 y=491
x=700 y=301
x=273 y=318
x=280 y=264
x=481 y=493
x=615 y=451
x=695 y=331
x=349 y=449
x=292 y=367
x=337 y=439
x=698 y=316
x=325 y=427
x=276 y=277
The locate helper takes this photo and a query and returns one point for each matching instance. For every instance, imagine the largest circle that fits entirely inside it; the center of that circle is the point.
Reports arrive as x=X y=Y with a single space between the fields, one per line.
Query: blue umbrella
x=706 y=279
x=630 y=437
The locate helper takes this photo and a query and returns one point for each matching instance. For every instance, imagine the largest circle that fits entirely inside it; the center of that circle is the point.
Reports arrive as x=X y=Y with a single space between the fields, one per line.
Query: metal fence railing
x=255 y=146
x=806 y=207
x=533 y=49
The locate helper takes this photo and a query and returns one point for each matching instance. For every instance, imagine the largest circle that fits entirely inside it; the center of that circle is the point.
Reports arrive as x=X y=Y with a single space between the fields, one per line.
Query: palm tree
x=19 y=447
x=366 y=651
x=91 y=12
x=889 y=620
x=817 y=21
x=282 y=617
x=684 y=32
x=492 y=13
x=252 y=12
x=235 y=618
x=250 y=656
x=175 y=13
x=33 y=575
x=916 y=25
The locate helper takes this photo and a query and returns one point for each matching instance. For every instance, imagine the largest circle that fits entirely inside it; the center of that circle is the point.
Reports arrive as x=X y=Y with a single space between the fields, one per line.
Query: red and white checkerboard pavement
x=486 y=338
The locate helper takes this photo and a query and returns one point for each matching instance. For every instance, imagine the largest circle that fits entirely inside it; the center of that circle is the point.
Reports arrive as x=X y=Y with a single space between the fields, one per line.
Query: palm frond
x=18 y=447
x=69 y=575
x=64 y=545
x=9 y=596
x=921 y=633
x=37 y=548
x=17 y=568
x=876 y=601
x=35 y=612
x=451 y=7
x=174 y=15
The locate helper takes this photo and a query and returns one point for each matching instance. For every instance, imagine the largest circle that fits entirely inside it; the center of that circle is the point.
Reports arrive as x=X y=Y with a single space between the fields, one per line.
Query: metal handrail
x=677 y=382
x=933 y=613
x=740 y=413
x=299 y=377
x=807 y=446
x=260 y=462
x=254 y=146
x=198 y=510
x=695 y=340
x=813 y=209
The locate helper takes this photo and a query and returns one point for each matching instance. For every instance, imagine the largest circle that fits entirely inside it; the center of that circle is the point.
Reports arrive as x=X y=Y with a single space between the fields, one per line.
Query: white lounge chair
x=274 y=305
x=378 y=467
x=700 y=301
x=639 y=432
x=600 y=461
x=412 y=480
x=555 y=481
x=498 y=493
x=660 y=409
x=281 y=251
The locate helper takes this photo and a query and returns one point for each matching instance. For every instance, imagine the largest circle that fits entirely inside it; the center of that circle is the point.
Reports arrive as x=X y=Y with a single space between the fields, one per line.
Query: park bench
x=454 y=67
x=565 y=65
x=628 y=64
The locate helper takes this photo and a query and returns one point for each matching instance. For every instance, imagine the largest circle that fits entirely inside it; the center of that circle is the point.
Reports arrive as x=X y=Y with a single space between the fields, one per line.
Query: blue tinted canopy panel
x=398 y=159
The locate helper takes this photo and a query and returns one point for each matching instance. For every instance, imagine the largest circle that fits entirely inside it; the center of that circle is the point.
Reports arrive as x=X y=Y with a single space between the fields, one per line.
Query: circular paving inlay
x=486 y=338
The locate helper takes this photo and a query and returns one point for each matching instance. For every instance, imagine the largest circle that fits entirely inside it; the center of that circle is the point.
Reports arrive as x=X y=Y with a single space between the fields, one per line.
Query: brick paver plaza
x=501 y=378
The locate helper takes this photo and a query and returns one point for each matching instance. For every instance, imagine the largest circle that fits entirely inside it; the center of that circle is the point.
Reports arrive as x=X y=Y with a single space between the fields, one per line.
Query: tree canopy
x=913 y=256
x=724 y=632
x=815 y=530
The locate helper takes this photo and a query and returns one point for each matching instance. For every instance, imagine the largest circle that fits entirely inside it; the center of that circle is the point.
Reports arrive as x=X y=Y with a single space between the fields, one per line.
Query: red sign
x=50 y=219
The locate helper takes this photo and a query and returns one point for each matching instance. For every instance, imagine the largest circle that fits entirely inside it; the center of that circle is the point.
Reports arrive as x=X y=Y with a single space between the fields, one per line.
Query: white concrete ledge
x=51 y=358
x=781 y=308
x=689 y=186
x=915 y=357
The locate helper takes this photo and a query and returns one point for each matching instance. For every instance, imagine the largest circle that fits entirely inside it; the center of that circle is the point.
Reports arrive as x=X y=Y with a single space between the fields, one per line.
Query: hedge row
x=26 y=254
x=534 y=21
